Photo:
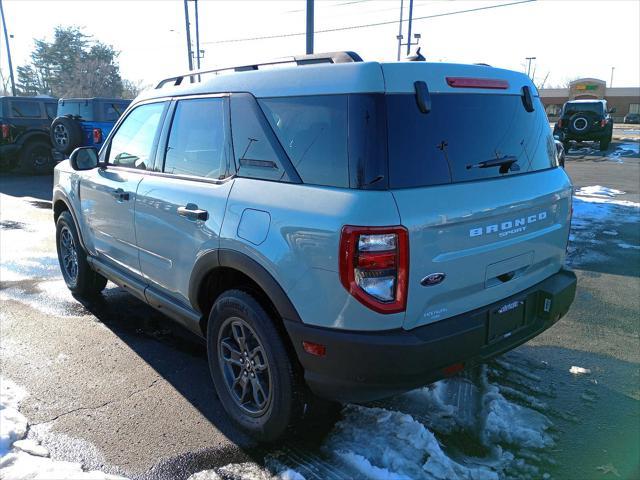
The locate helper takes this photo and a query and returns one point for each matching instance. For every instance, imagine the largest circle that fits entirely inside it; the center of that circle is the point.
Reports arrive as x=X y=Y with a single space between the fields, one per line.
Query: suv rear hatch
x=476 y=185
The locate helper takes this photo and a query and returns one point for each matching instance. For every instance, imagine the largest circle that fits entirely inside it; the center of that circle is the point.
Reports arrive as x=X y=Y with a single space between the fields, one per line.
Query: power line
x=368 y=25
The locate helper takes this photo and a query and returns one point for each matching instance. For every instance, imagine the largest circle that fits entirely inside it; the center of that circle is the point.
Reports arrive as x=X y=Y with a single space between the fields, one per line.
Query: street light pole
x=309 y=27
x=409 y=28
x=611 y=82
x=6 y=37
x=197 y=36
x=399 y=37
x=529 y=65
x=187 y=29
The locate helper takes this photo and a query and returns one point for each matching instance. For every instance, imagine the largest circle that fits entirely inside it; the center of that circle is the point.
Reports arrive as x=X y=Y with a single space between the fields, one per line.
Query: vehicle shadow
x=39 y=187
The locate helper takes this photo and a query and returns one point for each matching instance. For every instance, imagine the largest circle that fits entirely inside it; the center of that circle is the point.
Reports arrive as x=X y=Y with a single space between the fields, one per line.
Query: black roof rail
x=330 y=57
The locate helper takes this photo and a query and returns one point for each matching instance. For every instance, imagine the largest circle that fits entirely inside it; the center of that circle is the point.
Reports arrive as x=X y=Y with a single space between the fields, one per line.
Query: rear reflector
x=314 y=348
x=5 y=130
x=466 y=82
x=453 y=369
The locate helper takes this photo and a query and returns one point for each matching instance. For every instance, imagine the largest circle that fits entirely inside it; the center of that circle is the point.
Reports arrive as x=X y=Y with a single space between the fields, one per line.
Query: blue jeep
x=84 y=122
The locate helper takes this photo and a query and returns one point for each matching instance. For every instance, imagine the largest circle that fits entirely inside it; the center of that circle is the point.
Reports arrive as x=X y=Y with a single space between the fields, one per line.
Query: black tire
x=35 y=158
x=66 y=134
x=85 y=283
x=282 y=404
x=604 y=144
x=566 y=145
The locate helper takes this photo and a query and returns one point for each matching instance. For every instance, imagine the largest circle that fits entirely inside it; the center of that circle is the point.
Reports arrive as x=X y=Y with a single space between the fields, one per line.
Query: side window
x=132 y=144
x=21 y=109
x=313 y=131
x=51 y=109
x=257 y=151
x=199 y=142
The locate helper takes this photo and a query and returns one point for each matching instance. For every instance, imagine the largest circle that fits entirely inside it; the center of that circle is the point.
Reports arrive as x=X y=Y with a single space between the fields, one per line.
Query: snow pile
x=579 y=370
x=25 y=459
x=245 y=471
x=383 y=444
x=598 y=191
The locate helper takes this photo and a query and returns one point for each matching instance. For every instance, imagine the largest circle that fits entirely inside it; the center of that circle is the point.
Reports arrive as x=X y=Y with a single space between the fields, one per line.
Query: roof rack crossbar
x=330 y=57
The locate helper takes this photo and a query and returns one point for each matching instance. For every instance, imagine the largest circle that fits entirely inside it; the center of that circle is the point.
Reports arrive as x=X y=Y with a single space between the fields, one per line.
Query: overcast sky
x=569 y=38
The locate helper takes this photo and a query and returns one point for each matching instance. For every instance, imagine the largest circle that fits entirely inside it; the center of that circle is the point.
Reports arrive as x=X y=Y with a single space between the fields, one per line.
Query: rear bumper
x=600 y=134
x=365 y=366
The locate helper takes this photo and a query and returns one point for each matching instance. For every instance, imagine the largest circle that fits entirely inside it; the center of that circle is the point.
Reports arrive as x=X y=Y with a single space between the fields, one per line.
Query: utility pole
x=409 y=30
x=6 y=37
x=611 y=81
x=529 y=65
x=187 y=29
x=309 y=27
x=399 y=37
x=198 y=53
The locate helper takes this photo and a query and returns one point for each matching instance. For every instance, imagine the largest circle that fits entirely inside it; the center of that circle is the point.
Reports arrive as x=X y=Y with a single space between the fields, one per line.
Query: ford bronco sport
x=333 y=228
x=585 y=120
x=24 y=133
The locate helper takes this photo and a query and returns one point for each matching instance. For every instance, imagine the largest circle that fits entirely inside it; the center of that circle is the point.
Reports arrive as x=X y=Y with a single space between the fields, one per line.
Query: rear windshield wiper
x=506 y=163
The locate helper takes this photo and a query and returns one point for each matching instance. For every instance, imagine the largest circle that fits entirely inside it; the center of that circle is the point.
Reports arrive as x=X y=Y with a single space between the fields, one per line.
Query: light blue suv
x=334 y=228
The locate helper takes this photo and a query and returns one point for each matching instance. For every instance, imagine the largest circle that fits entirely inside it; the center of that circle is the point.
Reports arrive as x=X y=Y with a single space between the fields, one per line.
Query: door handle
x=120 y=195
x=192 y=212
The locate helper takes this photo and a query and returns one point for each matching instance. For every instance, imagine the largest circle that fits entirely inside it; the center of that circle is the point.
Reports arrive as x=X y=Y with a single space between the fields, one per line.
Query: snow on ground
x=597 y=216
x=628 y=148
x=25 y=459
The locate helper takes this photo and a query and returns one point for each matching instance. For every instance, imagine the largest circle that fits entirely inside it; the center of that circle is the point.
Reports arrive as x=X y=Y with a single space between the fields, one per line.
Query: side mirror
x=84 y=158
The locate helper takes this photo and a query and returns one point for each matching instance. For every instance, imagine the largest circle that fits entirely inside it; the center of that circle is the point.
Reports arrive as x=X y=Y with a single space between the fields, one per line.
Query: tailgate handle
x=505 y=277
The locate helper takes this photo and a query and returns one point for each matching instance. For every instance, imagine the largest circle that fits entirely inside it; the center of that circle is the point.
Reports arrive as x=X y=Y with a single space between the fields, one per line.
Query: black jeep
x=24 y=133
x=585 y=120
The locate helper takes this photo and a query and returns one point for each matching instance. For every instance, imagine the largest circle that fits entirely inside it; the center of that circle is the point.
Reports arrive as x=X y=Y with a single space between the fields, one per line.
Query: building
x=623 y=99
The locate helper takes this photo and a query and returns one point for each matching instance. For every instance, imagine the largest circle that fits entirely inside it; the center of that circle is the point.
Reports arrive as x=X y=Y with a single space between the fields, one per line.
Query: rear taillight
x=5 y=130
x=97 y=135
x=603 y=122
x=374 y=266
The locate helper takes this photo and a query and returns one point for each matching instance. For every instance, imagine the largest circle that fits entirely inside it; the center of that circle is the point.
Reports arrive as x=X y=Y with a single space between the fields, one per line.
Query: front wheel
x=76 y=272
x=254 y=375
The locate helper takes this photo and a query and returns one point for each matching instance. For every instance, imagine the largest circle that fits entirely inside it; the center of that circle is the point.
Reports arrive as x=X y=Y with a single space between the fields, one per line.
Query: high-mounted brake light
x=5 y=130
x=468 y=82
x=374 y=266
x=97 y=135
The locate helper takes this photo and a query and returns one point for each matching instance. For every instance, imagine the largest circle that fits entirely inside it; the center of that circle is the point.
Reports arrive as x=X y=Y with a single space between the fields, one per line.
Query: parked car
x=632 y=118
x=325 y=226
x=585 y=120
x=24 y=133
x=84 y=122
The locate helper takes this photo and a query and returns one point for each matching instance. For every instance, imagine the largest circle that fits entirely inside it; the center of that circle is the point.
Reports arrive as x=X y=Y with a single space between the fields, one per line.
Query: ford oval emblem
x=432 y=279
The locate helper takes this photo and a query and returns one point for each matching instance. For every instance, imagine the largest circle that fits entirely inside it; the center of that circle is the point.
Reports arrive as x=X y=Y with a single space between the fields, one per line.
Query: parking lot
x=114 y=386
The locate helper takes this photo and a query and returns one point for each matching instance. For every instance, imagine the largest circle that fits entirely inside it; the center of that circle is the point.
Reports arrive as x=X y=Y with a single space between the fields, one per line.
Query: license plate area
x=506 y=319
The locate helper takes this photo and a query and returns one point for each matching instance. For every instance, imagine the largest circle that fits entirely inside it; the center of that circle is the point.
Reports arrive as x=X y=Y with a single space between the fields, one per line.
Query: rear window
x=111 y=111
x=82 y=109
x=571 y=108
x=22 y=109
x=462 y=134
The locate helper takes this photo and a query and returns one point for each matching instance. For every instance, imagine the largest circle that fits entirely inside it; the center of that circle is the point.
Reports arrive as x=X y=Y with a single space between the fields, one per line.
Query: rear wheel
x=76 y=272
x=604 y=144
x=254 y=375
x=35 y=157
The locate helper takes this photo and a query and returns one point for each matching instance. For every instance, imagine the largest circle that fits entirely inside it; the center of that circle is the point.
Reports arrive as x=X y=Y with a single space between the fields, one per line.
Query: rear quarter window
x=25 y=109
x=313 y=131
